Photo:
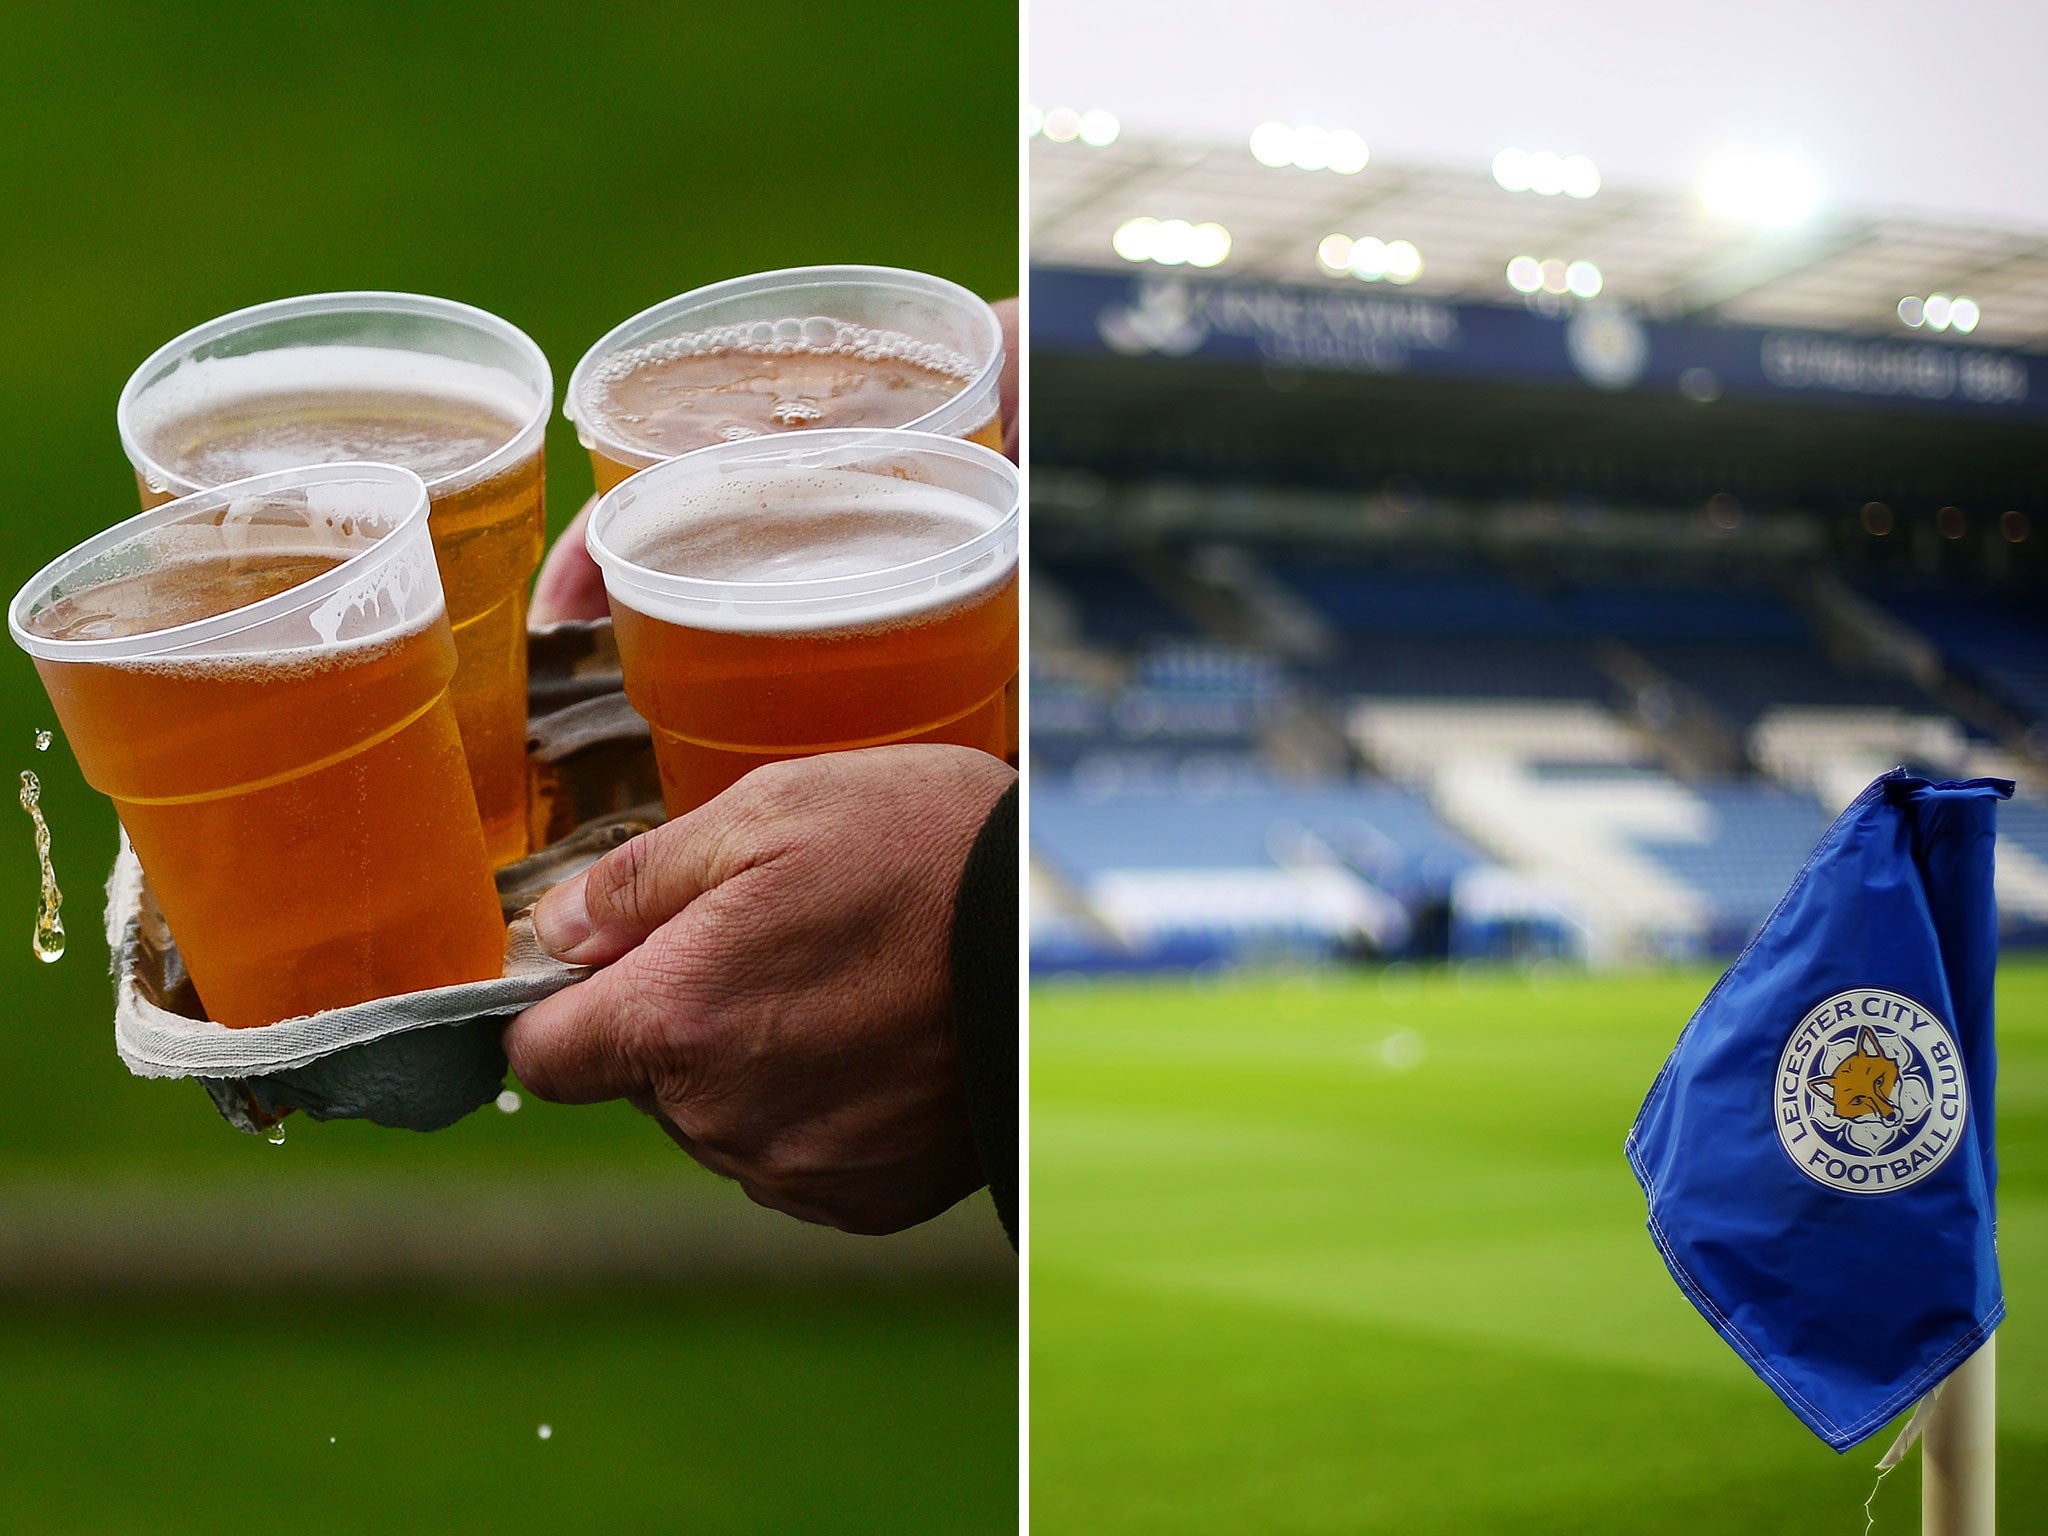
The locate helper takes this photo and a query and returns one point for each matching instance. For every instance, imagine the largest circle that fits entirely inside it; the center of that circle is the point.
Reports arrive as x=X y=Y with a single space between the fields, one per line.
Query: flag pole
x=1958 y=1451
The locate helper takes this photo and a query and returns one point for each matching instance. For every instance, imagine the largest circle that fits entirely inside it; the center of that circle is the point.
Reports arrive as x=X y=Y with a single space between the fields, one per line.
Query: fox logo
x=1870 y=1093
x=1865 y=1082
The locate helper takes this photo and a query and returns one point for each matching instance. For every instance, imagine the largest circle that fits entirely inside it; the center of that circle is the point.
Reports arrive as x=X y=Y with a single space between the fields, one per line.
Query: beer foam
x=174 y=590
x=276 y=665
x=607 y=402
x=195 y=392
x=818 y=336
x=805 y=550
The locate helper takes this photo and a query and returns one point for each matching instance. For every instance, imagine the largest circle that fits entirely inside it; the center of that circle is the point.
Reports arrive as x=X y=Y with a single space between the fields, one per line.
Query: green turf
x=1341 y=1255
x=718 y=1414
x=561 y=165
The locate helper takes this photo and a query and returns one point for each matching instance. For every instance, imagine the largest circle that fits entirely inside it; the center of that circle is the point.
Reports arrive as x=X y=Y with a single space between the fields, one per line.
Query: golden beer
x=451 y=393
x=258 y=677
x=807 y=348
x=768 y=610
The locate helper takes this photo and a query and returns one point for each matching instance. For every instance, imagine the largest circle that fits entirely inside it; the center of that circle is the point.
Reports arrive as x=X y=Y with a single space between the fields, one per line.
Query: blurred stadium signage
x=1602 y=345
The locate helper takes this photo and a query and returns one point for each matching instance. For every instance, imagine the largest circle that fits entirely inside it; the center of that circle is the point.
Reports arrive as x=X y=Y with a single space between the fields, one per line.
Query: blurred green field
x=721 y=1414
x=1333 y=1255
x=563 y=166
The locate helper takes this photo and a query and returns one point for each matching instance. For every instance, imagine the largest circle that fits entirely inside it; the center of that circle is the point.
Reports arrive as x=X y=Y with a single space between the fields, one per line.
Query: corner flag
x=1817 y=1151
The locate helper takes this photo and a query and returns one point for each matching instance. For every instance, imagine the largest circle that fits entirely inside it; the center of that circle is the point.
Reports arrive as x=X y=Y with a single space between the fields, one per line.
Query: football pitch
x=738 y=1411
x=1357 y=1254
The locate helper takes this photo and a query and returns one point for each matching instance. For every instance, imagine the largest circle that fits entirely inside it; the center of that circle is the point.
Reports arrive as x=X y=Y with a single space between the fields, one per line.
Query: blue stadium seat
x=1759 y=838
x=1388 y=834
x=1998 y=643
x=1118 y=608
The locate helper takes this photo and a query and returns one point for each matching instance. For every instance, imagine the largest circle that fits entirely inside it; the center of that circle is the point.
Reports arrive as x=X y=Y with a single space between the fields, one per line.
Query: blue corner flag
x=1817 y=1152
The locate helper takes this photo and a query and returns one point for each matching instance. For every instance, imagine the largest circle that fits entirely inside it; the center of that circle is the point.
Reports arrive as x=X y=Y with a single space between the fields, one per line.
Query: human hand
x=572 y=587
x=776 y=987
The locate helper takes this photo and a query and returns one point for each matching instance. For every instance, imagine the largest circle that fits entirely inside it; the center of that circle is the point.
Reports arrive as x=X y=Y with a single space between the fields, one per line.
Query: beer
x=454 y=395
x=258 y=677
x=695 y=390
x=768 y=610
x=808 y=348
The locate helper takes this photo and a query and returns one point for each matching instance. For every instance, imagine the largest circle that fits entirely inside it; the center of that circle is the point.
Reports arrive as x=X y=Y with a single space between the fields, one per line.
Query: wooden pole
x=1959 y=1451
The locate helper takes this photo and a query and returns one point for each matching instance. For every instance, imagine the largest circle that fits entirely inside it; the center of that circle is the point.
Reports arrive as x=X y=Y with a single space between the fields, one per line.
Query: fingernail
x=561 y=921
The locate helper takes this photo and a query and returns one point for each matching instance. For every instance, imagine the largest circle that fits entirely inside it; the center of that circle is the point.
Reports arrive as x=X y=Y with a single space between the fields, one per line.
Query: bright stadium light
x=1348 y=153
x=1583 y=279
x=1133 y=239
x=1099 y=128
x=1963 y=315
x=1309 y=149
x=1912 y=310
x=1273 y=144
x=1525 y=274
x=1062 y=125
x=1369 y=259
x=1581 y=177
x=1034 y=122
x=1333 y=253
x=1172 y=240
x=1936 y=311
x=1208 y=244
x=1404 y=262
x=1760 y=188
x=1546 y=173
x=1554 y=280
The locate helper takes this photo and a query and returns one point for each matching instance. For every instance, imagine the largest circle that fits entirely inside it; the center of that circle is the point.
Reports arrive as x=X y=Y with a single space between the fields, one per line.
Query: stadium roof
x=1667 y=255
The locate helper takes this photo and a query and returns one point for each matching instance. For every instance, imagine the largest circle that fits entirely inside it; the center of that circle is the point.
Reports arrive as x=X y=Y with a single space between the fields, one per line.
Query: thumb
x=605 y=912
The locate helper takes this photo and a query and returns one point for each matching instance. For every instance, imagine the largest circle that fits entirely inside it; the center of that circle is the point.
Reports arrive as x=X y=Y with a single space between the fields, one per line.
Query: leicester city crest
x=1870 y=1094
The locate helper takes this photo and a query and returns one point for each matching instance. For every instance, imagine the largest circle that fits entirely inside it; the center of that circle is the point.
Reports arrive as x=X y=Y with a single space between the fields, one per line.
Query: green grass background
x=563 y=166
x=1280 y=1284
x=720 y=1414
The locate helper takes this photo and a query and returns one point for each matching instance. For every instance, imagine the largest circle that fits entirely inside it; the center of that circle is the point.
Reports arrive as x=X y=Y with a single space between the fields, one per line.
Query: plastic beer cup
x=453 y=393
x=804 y=348
x=844 y=588
x=258 y=677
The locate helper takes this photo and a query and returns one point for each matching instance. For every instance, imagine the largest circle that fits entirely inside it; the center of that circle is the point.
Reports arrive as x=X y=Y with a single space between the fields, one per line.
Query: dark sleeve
x=985 y=1000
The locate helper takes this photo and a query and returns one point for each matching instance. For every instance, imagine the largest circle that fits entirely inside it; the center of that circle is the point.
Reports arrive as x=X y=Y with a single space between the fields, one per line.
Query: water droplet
x=330 y=1439
x=48 y=942
x=509 y=1102
x=274 y=1133
x=42 y=741
x=547 y=1431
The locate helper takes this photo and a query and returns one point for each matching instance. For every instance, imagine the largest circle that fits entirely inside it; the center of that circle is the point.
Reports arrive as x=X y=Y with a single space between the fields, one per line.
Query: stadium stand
x=1245 y=868
x=1624 y=593
x=1507 y=798
x=1998 y=643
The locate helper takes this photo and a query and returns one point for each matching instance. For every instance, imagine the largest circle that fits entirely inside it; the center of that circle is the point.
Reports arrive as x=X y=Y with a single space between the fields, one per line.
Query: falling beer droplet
x=42 y=741
x=49 y=936
x=274 y=1134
